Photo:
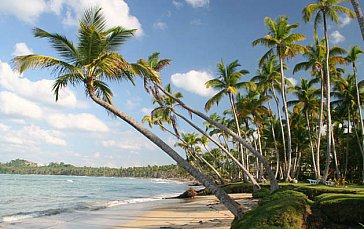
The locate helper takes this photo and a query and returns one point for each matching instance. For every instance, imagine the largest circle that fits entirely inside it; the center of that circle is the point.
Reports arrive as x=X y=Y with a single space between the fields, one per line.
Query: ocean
x=29 y=198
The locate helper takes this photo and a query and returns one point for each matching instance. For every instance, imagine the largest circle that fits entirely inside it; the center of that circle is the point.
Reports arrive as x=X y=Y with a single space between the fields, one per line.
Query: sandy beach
x=199 y=212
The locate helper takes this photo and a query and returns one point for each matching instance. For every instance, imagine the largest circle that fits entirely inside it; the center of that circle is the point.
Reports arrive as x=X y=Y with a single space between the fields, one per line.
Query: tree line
x=19 y=166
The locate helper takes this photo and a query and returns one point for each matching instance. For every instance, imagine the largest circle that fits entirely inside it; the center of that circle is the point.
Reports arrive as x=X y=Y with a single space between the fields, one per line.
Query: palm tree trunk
x=288 y=126
x=335 y=156
x=273 y=181
x=281 y=124
x=275 y=141
x=359 y=15
x=224 y=198
x=328 y=108
x=311 y=144
x=240 y=146
x=347 y=145
x=255 y=183
x=360 y=113
x=320 y=126
x=260 y=166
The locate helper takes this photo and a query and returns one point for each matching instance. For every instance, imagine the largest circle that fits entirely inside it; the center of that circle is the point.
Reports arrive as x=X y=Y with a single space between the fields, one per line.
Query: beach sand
x=198 y=212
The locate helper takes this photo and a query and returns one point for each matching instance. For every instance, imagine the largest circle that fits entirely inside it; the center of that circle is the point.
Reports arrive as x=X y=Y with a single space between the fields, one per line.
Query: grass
x=300 y=205
x=283 y=209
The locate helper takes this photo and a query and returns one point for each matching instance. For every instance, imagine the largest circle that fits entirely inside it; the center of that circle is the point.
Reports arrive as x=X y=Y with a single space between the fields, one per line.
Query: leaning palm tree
x=282 y=42
x=94 y=60
x=227 y=83
x=359 y=15
x=324 y=10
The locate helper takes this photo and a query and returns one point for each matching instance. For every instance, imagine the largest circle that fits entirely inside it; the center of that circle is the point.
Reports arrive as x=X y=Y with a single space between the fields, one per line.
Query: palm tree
x=308 y=104
x=268 y=79
x=90 y=63
x=282 y=41
x=326 y=9
x=359 y=15
x=227 y=83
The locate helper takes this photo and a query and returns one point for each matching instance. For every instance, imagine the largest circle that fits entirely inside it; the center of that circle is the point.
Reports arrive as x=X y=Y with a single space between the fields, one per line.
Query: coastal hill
x=20 y=166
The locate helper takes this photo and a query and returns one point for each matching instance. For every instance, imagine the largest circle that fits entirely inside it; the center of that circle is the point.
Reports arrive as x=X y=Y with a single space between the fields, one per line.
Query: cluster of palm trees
x=250 y=141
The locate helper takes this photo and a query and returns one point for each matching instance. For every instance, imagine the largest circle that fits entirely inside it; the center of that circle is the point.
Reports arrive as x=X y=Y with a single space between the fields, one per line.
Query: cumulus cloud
x=146 y=111
x=293 y=81
x=344 y=20
x=198 y=3
x=117 y=12
x=82 y=121
x=33 y=135
x=160 y=25
x=193 y=81
x=21 y=49
x=39 y=91
x=11 y=104
x=336 y=37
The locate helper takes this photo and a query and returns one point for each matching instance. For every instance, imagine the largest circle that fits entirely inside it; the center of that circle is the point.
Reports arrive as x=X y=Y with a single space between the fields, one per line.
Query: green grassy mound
x=283 y=209
x=346 y=209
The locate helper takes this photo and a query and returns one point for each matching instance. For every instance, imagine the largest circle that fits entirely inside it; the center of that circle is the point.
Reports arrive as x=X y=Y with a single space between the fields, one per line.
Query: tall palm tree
x=359 y=15
x=307 y=103
x=324 y=10
x=282 y=42
x=91 y=62
x=227 y=83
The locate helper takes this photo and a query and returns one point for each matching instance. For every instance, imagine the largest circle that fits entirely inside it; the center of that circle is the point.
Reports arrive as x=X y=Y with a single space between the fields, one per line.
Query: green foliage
x=347 y=209
x=264 y=192
x=283 y=209
x=19 y=166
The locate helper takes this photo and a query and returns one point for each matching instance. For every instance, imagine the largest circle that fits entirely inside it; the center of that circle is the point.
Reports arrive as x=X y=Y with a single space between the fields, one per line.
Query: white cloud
x=27 y=11
x=177 y=4
x=21 y=49
x=344 y=20
x=193 y=81
x=146 y=111
x=33 y=135
x=11 y=104
x=198 y=3
x=160 y=25
x=196 y=22
x=336 y=37
x=116 y=11
x=82 y=121
x=293 y=81
x=3 y=127
x=130 y=141
x=39 y=91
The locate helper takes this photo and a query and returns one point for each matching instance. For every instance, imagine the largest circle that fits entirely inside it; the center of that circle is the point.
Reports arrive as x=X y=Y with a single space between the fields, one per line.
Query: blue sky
x=195 y=34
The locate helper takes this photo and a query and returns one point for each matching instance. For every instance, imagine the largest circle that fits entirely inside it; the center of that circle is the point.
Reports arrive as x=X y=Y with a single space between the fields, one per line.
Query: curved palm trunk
x=328 y=108
x=359 y=15
x=229 y=203
x=347 y=145
x=311 y=144
x=288 y=125
x=360 y=114
x=281 y=125
x=245 y=171
x=338 y=174
x=240 y=148
x=320 y=127
x=273 y=181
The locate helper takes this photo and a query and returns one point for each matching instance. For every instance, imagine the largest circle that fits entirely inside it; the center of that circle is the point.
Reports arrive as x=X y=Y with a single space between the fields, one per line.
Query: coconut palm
x=324 y=10
x=282 y=42
x=91 y=62
x=359 y=15
x=307 y=103
x=227 y=83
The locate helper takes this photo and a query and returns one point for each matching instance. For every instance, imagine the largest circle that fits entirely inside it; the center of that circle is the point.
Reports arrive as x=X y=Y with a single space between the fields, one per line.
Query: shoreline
x=197 y=212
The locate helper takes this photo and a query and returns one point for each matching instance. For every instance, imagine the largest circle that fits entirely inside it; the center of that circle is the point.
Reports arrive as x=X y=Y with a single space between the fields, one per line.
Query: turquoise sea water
x=34 y=196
